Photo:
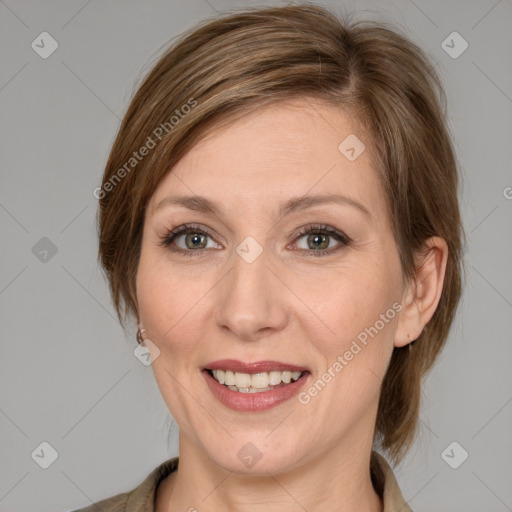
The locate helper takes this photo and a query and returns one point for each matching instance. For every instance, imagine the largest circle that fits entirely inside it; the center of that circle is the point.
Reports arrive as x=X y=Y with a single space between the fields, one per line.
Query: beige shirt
x=142 y=498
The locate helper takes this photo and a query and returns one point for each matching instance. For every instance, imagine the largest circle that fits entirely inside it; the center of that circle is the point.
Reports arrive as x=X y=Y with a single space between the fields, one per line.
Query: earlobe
x=409 y=320
x=424 y=292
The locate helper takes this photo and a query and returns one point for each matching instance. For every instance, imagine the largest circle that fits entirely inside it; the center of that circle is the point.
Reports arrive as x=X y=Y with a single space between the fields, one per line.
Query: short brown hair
x=228 y=66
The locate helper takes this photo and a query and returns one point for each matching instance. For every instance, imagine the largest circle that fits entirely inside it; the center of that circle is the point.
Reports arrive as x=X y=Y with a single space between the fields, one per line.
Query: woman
x=279 y=215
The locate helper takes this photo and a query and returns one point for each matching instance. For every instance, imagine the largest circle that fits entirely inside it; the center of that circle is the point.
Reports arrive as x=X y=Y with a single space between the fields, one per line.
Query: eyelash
x=318 y=229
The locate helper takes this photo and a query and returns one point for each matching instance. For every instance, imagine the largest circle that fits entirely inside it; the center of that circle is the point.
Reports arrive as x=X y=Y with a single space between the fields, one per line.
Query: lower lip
x=253 y=402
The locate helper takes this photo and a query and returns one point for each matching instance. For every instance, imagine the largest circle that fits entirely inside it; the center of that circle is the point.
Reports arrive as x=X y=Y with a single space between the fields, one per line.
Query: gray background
x=68 y=375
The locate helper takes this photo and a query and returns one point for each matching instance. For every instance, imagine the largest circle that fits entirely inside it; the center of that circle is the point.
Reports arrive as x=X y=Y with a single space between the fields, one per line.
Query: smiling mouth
x=255 y=382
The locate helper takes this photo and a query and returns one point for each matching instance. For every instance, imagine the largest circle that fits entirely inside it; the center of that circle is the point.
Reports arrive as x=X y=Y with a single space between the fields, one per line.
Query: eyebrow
x=202 y=204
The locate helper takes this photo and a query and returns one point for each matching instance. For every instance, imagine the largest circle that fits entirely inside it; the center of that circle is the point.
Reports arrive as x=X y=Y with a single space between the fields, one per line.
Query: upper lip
x=256 y=367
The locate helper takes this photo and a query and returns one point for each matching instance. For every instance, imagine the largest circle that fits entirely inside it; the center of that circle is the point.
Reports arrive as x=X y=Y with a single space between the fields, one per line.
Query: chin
x=246 y=455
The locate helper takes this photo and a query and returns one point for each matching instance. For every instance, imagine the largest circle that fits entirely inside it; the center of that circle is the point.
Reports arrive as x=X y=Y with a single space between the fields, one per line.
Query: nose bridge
x=249 y=302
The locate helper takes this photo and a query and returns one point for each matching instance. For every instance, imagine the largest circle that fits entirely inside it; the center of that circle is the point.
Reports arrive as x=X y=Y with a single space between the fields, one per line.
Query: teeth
x=295 y=375
x=260 y=380
x=242 y=380
x=219 y=375
x=229 y=378
x=249 y=383
x=274 y=378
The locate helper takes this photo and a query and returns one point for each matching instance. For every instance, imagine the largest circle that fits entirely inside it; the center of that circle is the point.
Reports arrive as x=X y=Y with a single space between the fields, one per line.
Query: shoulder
x=138 y=499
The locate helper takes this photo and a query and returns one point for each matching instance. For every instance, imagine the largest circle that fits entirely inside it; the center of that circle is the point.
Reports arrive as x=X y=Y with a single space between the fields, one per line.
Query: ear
x=422 y=294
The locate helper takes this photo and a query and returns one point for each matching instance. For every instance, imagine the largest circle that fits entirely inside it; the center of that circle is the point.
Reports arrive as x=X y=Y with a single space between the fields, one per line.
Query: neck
x=338 y=480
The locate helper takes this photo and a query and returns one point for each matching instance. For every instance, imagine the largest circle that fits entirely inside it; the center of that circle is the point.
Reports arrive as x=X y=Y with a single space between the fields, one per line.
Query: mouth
x=254 y=387
x=254 y=382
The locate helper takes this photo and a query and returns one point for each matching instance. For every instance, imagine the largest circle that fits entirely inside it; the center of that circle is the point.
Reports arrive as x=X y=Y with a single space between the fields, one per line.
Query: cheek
x=168 y=303
x=153 y=297
x=164 y=301
x=359 y=308
x=352 y=302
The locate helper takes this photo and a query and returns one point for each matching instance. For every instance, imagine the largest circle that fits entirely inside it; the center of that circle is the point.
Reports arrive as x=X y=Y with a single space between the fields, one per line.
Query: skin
x=283 y=306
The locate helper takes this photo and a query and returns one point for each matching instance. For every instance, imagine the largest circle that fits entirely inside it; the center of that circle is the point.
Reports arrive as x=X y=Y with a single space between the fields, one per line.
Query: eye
x=317 y=240
x=195 y=240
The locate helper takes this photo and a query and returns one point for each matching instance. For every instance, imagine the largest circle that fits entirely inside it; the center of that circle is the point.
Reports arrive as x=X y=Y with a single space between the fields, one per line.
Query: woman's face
x=245 y=284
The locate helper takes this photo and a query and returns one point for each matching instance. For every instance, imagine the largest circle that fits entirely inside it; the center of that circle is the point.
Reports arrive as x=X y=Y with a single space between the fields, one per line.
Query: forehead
x=280 y=151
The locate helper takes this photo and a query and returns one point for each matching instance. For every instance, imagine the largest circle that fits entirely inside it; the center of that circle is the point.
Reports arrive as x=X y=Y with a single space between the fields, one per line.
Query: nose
x=250 y=300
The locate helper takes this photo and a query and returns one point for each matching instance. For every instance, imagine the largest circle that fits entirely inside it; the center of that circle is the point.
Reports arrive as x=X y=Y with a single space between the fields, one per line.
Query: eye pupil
x=195 y=237
x=318 y=236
